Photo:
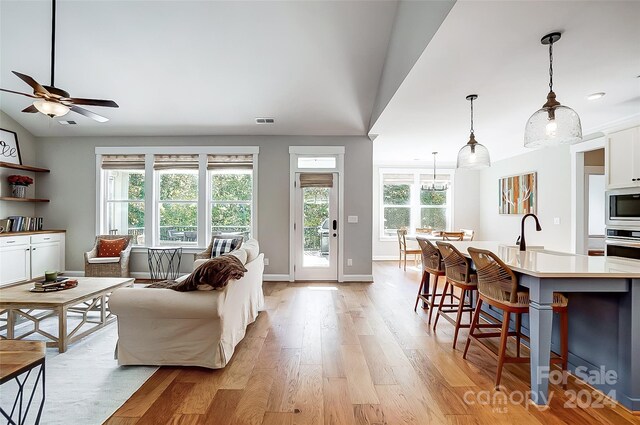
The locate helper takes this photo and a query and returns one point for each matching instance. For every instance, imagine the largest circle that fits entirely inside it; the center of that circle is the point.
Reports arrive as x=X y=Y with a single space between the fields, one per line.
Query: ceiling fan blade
x=17 y=92
x=93 y=102
x=88 y=113
x=37 y=87
x=30 y=109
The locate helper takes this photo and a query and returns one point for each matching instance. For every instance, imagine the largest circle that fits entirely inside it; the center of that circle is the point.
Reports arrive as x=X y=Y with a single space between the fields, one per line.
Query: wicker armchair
x=206 y=254
x=118 y=268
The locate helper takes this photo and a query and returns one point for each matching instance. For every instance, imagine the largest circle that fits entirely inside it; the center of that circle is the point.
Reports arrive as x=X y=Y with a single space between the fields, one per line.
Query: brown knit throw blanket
x=214 y=274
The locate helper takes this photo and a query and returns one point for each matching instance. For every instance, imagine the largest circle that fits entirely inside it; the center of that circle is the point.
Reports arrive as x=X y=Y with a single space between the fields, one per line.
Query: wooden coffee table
x=91 y=295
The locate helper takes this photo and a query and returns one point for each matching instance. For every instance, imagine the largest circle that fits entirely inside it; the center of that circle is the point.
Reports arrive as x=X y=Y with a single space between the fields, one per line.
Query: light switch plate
x=349 y=262
x=352 y=219
x=556 y=220
x=266 y=261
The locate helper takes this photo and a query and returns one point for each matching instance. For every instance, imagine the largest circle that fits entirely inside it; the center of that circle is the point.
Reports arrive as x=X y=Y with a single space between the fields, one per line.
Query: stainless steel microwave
x=623 y=207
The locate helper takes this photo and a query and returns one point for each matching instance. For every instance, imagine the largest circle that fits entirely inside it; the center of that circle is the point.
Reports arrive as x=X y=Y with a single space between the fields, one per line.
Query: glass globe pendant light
x=554 y=124
x=435 y=187
x=473 y=155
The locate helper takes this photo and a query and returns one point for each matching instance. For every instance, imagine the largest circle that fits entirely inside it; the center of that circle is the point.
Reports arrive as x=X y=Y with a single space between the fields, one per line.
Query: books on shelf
x=18 y=223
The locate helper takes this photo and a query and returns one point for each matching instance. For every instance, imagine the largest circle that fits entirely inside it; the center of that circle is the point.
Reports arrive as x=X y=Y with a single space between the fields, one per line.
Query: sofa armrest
x=147 y=303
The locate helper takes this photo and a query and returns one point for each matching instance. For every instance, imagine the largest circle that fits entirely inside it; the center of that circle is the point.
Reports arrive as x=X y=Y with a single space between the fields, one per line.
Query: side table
x=17 y=360
x=164 y=262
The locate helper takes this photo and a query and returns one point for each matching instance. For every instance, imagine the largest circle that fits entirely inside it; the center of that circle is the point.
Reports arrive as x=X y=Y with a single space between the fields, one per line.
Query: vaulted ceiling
x=201 y=67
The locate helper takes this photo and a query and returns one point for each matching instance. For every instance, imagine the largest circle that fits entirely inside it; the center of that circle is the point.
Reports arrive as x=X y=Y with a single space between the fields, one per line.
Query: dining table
x=604 y=316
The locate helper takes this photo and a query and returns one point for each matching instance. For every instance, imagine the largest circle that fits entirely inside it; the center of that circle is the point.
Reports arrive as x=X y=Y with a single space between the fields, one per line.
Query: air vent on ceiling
x=67 y=122
x=265 y=120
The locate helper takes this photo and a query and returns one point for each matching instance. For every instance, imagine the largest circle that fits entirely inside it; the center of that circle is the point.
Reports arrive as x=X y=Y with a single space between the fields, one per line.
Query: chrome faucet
x=521 y=241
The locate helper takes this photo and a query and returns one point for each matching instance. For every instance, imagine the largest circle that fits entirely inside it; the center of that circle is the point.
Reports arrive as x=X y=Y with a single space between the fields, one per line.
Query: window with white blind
x=407 y=203
x=124 y=184
x=176 y=199
x=231 y=180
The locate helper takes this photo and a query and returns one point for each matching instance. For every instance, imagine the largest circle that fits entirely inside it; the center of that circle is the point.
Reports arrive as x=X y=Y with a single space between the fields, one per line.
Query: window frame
x=211 y=201
x=415 y=203
x=107 y=202
x=152 y=190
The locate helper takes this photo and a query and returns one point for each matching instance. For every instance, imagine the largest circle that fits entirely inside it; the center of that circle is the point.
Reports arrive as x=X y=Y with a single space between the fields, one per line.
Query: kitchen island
x=604 y=316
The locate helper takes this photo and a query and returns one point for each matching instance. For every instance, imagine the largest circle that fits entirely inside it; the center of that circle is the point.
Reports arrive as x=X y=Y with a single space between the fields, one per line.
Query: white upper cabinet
x=623 y=159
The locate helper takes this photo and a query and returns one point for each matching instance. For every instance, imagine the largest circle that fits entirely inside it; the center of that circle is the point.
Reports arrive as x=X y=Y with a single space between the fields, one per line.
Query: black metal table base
x=164 y=263
x=18 y=403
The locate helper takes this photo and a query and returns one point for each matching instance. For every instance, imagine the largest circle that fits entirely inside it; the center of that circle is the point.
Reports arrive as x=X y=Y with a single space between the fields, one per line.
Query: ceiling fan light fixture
x=473 y=155
x=553 y=124
x=53 y=109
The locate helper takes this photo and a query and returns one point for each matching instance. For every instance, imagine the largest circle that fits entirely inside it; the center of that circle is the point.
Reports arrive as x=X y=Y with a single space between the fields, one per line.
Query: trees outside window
x=231 y=201
x=404 y=204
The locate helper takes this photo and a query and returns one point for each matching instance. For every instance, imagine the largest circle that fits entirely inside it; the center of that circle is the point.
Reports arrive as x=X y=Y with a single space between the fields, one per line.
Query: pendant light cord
x=434 y=170
x=471 y=115
x=53 y=41
x=550 y=66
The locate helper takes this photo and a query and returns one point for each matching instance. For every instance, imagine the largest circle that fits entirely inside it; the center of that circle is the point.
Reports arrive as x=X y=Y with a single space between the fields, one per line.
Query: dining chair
x=402 y=243
x=498 y=286
x=453 y=236
x=468 y=234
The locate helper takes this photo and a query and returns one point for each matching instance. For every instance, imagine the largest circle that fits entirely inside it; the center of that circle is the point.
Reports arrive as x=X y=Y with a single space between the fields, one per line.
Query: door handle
x=335 y=224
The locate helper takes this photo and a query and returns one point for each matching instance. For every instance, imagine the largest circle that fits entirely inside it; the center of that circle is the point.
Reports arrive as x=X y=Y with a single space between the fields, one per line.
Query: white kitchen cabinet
x=27 y=257
x=15 y=259
x=44 y=257
x=623 y=159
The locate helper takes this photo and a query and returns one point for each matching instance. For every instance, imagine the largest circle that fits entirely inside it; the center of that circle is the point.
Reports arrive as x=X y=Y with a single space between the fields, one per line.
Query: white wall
x=465 y=204
x=553 y=166
x=72 y=188
x=27 y=145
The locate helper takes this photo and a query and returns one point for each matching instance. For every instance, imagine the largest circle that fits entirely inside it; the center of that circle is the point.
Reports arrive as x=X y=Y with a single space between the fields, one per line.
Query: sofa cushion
x=111 y=247
x=252 y=248
x=221 y=246
x=240 y=254
x=213 y=274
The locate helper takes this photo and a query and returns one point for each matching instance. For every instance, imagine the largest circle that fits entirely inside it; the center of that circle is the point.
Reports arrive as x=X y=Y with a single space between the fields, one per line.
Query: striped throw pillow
x=223 y=246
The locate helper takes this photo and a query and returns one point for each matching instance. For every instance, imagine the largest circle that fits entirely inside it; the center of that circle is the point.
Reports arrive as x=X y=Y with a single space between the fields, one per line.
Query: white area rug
x=85 y=385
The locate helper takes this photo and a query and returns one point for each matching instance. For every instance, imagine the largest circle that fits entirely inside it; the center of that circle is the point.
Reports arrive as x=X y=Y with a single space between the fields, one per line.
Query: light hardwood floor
x=350 y=354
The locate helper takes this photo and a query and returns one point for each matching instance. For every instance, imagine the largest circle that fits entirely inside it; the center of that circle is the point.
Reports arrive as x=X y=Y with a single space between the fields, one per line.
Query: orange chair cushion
x=111 y=247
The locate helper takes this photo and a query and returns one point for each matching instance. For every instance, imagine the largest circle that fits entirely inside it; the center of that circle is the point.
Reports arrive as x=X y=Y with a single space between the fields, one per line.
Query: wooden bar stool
x=498 y=287
x=432 y=265
x=402 y=242
x=459 y=275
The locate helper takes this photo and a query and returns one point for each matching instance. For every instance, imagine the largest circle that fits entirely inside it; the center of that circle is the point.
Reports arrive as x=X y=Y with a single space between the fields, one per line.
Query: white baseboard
x=275 y=277
x=385 y=258
x=358 y=278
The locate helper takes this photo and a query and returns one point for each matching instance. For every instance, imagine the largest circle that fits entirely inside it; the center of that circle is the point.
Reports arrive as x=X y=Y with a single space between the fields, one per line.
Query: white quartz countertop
x=544 y=263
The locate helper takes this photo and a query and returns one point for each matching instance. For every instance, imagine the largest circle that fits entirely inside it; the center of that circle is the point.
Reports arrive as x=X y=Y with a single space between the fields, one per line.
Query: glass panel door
x=316 y=230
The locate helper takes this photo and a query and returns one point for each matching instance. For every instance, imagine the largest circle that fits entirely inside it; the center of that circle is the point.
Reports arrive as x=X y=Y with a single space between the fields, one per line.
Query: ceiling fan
x=53 y=101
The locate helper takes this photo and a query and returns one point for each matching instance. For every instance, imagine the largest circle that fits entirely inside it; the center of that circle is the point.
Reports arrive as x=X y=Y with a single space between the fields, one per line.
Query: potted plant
x=19 y=185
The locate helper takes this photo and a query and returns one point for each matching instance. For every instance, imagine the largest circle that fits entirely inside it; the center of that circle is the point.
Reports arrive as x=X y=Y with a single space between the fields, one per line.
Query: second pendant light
x=473 y=155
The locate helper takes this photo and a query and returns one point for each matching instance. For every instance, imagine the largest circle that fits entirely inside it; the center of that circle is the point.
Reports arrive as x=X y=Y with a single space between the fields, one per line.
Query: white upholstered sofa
x=199 y=328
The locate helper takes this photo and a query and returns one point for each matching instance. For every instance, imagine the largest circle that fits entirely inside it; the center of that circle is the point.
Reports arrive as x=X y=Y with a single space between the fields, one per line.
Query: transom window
x=407 y=203
x=190 y=197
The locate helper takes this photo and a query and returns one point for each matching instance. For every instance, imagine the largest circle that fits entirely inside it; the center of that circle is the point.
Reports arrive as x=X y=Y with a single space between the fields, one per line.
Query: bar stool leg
x=433 y=297
x=503 y=345
x=458 y=318
x=446 y=286
x=474 y=323
x=421 y=289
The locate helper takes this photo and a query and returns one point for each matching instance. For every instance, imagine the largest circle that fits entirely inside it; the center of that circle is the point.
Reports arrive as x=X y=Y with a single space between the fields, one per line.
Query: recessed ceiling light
x=67 y=122
x=595 y=96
